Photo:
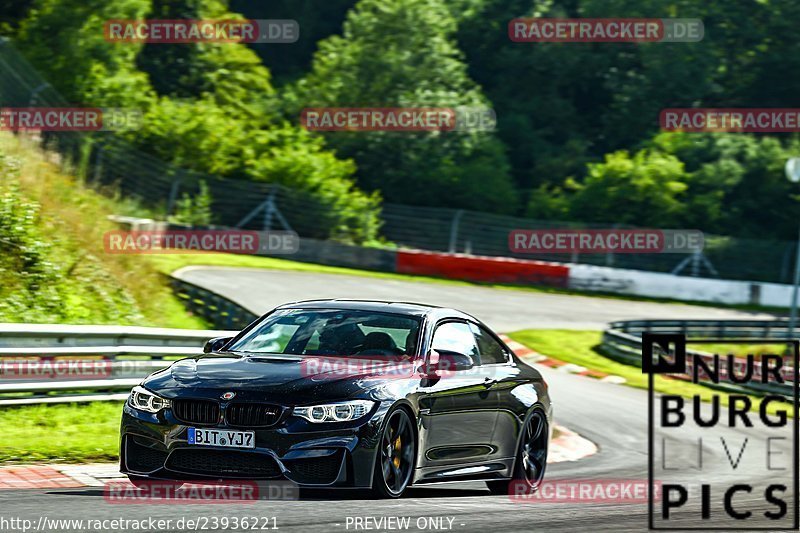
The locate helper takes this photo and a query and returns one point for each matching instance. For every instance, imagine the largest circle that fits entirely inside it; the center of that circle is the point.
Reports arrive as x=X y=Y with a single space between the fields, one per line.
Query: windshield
x=332 y=332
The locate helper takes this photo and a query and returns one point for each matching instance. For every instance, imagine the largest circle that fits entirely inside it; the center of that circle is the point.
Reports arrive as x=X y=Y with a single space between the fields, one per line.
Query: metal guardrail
x=59 y=335
x=622 y=341
x=744 y=329
x=126 y=354
x=215 y=308
x=47 y=363
x=35 y=360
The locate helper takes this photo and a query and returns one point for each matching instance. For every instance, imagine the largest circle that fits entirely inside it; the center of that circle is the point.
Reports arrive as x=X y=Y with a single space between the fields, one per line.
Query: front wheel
x=531 y=460
x=394 y=464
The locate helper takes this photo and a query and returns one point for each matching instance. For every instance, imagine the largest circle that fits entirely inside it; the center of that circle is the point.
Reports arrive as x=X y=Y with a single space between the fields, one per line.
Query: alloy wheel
x=396 y=454
x=531 y=460
x=533 y=452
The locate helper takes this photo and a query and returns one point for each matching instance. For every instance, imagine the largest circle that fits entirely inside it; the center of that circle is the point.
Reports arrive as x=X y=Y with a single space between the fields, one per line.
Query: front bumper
x=314 y=455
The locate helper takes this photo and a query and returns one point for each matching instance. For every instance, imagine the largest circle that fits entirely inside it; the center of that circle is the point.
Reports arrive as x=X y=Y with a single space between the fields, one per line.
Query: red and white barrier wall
x=520 y=271
x=591 y=278
x=481 y=268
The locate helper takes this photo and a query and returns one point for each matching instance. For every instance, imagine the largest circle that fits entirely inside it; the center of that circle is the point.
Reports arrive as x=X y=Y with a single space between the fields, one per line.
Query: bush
x=194 y=211
x=44 y=279
x=29 y=280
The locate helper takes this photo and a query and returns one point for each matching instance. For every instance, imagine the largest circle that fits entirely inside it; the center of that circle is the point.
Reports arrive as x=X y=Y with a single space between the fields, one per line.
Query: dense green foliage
x=53 y=264
x=40 y=281
x=421 y=68
x=30 y=281
x=196 y=210
x=211 y=109
x=577 y=138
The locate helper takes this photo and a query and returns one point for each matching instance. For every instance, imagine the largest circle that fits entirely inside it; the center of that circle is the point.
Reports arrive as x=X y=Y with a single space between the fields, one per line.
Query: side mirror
x=215 y=344
x=448 y=361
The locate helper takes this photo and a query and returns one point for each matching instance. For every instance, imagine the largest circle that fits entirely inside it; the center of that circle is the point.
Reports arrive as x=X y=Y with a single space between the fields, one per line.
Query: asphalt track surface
x=612 y=416
x=505 y=310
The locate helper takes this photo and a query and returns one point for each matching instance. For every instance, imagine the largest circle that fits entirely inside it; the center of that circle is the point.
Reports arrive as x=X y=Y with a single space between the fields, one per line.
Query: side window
x=456 y=337
x=492 y=352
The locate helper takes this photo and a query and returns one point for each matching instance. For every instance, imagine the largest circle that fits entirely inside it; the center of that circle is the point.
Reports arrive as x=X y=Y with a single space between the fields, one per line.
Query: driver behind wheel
x=341 y=339
x=379 y=343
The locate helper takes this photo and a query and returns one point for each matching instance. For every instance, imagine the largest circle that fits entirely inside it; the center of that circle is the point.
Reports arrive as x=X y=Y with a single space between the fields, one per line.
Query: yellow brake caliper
x=396 y=460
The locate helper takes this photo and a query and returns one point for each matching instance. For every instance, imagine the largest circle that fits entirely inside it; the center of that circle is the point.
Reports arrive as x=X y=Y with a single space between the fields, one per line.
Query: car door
x=458 y=411
x=500 y=373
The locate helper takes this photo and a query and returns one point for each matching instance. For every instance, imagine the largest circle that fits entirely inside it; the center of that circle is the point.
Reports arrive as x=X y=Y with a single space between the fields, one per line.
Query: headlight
x=145 y=400
x=335 y=412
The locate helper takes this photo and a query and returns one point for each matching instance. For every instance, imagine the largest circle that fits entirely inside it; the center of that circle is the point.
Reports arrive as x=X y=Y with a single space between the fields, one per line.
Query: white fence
x=659 y=285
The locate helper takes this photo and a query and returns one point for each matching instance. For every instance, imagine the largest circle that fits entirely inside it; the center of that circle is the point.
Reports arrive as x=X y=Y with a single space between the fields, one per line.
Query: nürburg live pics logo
x=724 y=450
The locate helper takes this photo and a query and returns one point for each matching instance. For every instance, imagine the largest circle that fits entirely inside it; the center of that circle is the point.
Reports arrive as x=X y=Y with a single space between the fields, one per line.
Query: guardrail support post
x=173 y=195
x=793 y=314
x=454 y=231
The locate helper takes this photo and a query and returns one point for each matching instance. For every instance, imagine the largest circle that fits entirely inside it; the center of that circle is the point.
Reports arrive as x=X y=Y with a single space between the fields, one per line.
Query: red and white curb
x=35 y=477
x=93 y=474
x=569 y=446
x=535 y=357
x=58 y=476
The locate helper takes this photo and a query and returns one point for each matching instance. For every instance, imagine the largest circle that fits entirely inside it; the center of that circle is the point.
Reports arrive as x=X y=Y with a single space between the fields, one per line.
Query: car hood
x=266 y=377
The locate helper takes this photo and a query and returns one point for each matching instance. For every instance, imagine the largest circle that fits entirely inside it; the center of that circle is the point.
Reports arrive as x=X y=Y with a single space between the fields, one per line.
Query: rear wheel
x=396 y=452
x=531 y=460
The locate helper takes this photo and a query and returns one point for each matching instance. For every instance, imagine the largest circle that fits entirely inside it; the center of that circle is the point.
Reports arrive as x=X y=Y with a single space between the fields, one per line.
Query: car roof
x=404 y=308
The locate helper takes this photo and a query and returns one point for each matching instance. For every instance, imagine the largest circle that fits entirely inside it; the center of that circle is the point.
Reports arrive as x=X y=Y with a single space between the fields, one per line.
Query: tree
x=11 y=13
x=402 y=54
x=218 y=116
x=317 y=20
x=86 y=68
x=643 y=190
x=199 y=135
x=175 y=70
x=561 y=105
x=736 y=183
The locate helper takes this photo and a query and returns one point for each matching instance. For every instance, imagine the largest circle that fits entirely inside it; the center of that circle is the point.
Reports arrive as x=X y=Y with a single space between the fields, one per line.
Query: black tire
x=395 y=456
x=531 y=460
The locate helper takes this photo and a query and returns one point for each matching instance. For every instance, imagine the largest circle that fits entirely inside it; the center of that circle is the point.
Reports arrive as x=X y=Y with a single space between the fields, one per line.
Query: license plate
x=222 y=437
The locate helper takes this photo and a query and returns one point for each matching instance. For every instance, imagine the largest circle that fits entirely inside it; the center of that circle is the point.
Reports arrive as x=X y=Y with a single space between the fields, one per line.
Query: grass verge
x=68 y=433
x=94 y=287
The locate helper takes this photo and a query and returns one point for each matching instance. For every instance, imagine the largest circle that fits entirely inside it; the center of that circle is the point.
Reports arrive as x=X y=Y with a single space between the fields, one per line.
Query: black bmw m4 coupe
x=345 y=393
